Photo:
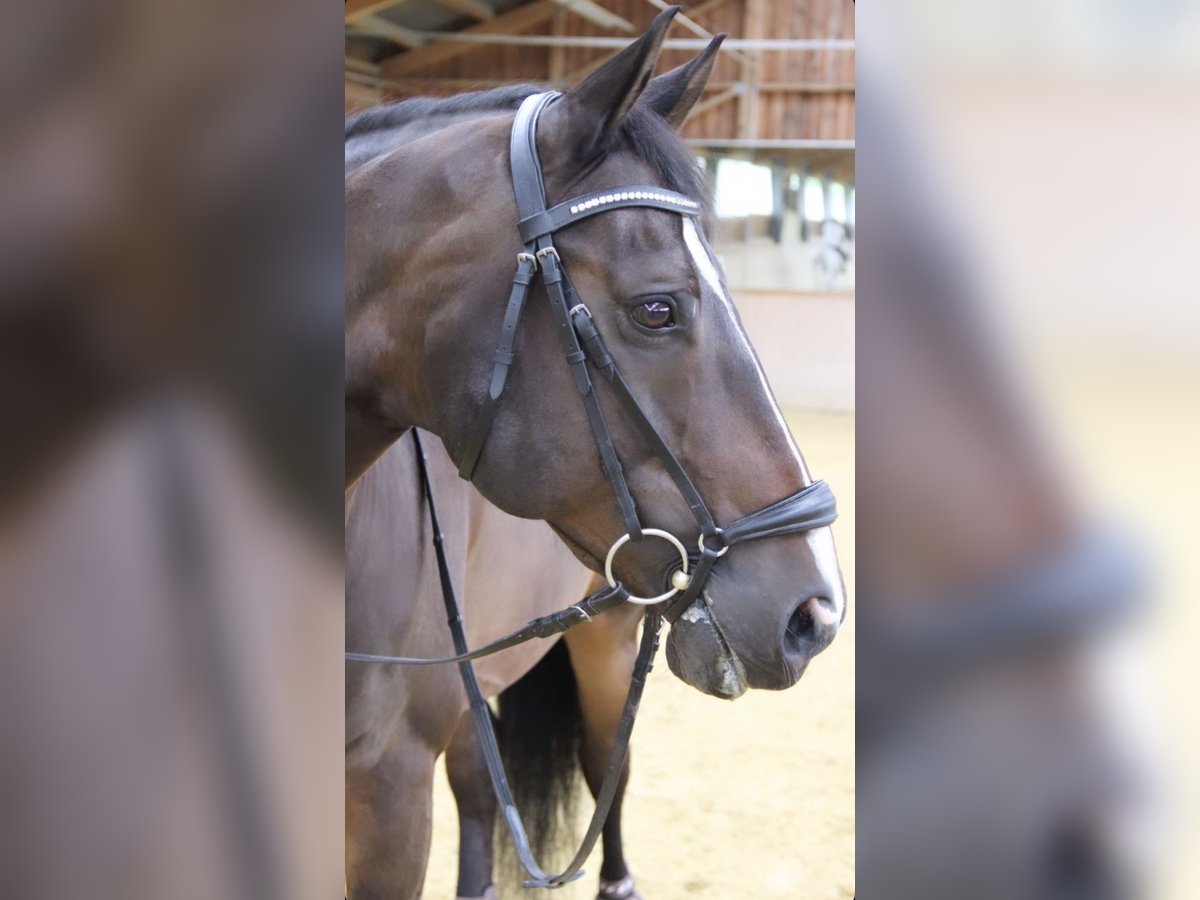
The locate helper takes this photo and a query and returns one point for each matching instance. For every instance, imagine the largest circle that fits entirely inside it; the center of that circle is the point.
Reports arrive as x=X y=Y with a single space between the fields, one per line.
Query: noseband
x=810 y=508
x=582 y=344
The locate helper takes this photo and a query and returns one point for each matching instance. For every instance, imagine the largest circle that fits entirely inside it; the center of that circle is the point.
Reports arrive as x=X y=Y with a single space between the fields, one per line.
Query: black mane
x=393 y=115
x=645 y=132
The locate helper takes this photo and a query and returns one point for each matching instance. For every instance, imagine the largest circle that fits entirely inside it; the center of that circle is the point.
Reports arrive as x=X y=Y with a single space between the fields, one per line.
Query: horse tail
x=541 y=733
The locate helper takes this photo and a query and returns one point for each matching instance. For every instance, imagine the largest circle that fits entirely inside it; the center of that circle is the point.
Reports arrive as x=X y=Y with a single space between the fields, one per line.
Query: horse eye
x=655 y=314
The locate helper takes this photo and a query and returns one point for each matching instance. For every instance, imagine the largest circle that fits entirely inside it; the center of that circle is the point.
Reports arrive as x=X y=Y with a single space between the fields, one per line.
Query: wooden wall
x=764 y=95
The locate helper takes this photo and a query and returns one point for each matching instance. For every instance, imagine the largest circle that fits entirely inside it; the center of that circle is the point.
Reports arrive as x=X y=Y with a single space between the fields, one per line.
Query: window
x=743 y=189
x=837 y=202
x=814 y=199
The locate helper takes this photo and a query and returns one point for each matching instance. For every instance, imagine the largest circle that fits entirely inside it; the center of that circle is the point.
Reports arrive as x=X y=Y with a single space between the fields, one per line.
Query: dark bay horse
x=420 y=314
x=431 y=242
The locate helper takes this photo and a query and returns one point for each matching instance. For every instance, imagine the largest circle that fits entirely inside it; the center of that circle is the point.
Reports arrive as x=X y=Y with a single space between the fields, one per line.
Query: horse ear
x=674 y=94
x=593 y=109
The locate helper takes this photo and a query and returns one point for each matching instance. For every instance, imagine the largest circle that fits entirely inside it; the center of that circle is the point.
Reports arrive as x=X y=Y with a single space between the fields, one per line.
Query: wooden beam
x=804 y=87
x=597 y=14
x=752 y=27
x=398 y=34
x=769 y=144
x=558 y=65
x=361 y=66
x=706 y=7
x=435 y=52
x=356 y=9
x=418 y=84
x=716 y=100
x=577 y=75
x=617 y=42
x=476 y=9
x=695 y=27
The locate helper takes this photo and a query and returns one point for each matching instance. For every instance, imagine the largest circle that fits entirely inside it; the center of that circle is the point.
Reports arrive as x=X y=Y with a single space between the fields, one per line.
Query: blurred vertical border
x=170 y=394
x=1027 y=381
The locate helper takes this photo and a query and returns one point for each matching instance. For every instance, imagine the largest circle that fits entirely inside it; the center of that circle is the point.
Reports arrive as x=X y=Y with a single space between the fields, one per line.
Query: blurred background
x=170 y=450
x=774 y=131
x=1027 y=382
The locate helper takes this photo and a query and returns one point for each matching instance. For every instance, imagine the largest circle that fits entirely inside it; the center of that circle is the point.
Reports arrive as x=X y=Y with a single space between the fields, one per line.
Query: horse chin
x=698 y=655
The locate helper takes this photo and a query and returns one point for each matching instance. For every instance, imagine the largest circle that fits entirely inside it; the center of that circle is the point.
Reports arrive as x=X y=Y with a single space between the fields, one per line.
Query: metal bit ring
x=651 y=532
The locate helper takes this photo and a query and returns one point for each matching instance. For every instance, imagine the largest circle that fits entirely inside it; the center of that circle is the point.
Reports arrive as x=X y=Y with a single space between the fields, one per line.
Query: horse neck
x=363 y=148
x=404 y=265
x=384 y=377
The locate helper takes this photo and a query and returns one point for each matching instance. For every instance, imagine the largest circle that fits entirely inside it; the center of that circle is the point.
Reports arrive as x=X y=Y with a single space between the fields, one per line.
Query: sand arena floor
x=753 y=798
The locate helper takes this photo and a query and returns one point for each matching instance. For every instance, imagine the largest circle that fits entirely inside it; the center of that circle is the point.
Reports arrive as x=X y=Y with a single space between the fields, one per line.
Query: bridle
x=810 y=508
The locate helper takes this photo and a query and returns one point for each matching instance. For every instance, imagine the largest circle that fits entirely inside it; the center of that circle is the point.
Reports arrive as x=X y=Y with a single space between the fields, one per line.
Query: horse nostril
x=814 y=621
x=800 y=625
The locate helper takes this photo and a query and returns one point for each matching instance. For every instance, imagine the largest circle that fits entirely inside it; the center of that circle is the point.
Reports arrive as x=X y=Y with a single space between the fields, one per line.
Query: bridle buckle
x=721 y=552
x=579 y=307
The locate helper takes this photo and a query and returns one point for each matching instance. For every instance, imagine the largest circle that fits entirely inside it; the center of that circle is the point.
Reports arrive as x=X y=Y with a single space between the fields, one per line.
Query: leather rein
x=810 y=508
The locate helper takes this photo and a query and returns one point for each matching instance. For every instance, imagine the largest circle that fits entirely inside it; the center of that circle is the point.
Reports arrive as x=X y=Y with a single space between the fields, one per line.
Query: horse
x=420 y=316
x=420 y=320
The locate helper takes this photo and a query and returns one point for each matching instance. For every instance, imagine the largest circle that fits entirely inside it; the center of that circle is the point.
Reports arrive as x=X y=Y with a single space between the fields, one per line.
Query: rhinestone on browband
x=633 y=195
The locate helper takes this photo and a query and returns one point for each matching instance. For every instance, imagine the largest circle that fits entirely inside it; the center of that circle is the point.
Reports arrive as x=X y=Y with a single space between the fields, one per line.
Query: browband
x=571 y=211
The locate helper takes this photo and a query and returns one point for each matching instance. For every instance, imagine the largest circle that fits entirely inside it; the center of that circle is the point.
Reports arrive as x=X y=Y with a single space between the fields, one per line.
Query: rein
x=810 y=508
x=485 y=731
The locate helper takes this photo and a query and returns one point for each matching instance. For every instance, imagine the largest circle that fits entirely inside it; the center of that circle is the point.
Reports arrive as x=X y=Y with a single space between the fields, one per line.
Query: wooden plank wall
x=769 y=95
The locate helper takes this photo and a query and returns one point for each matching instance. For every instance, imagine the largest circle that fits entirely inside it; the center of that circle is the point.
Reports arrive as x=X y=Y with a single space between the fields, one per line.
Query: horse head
x=432 y=232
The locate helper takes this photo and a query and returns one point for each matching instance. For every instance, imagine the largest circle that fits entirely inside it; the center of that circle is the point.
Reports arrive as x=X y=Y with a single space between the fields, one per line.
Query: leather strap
x=598 y=353
x=552 y=276
x=575 y=210
x=547 y=626
x=803 y=511
x=703 y=563
x=481 y=712
x=651 y=630
x=502 y=361
x=526 y=167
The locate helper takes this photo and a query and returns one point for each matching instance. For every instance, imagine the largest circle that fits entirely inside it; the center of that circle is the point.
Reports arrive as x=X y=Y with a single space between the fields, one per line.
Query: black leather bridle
x=810 y=508
x=582 y=343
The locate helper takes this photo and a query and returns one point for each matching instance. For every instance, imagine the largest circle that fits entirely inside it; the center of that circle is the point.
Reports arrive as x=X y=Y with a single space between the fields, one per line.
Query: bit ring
x=652 y=532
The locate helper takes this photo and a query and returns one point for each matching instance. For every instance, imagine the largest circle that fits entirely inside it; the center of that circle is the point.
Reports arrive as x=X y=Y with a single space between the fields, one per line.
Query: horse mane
x=643 y=132
x=406 y=112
